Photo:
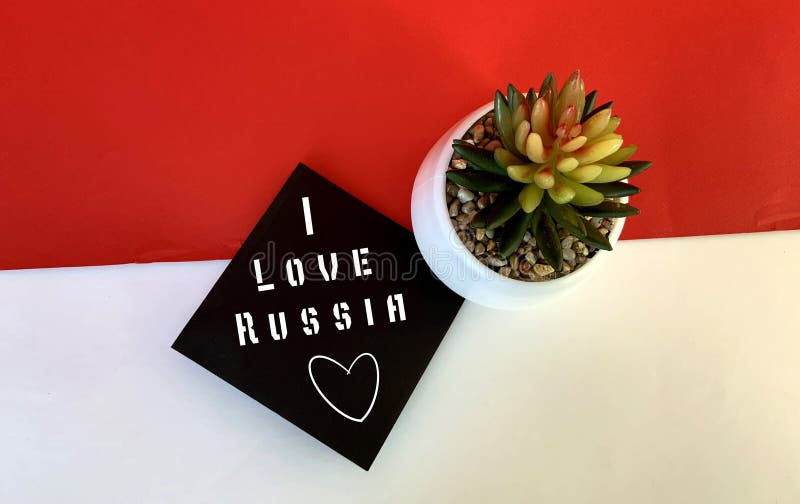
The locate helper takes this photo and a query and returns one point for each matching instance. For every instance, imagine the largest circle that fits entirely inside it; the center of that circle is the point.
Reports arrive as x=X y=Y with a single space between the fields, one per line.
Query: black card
x=327 y=315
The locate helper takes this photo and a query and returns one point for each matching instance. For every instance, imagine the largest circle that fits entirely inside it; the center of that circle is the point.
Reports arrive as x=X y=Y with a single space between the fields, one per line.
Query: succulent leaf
x=584 y=195
x=612 y=125
x=619 y=156
x=561 y=193
x=505 y=158
x=521 y=134
x=547 y=240
x=535 y=149
x=523 y=173
x=514 y=232
x=585 y=173
x=479 y=219
x=540 y=119
x=614 y=190
x=544 y=177
x=595 y=126
x=502 y=116
x=594 y=152
x=636 y=167
x=567 y=164
x=478 y=158
x=594 y=238
x=591 y=98
x=548 y=90
x=503 y=209
x=609 y=173
x=529 y=197
x=572 y=94
x=567 y=217
x=530 y=98
x=574 y=144
x=481 y=181
x=514 y=97
x=594 y=112
x=609 y=209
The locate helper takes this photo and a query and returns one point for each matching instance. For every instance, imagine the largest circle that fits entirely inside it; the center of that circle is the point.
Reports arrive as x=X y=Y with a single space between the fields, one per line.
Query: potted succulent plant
x=524 y=195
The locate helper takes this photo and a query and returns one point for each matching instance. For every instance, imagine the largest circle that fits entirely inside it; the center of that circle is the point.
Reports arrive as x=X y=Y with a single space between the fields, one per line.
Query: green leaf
x=615 y=189
x=502 y=118
x=547 y=240
x=636 y=167
x=604 y=106
x=503 y=209
x=514 y=232
x=480 y=159
x=479 y=219
x=549 y=83
x=609 y=209
x=567 y=217
x=530 y=98
x=515 y=98
x=591 y=98
x=594 y=238
x=481 y=181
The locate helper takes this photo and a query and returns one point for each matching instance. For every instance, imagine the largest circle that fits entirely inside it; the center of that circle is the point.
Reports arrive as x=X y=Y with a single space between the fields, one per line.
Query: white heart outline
x=347 y=370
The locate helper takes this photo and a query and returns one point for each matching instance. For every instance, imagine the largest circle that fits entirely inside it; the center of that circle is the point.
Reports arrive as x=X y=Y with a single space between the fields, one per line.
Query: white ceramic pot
x=449 y=258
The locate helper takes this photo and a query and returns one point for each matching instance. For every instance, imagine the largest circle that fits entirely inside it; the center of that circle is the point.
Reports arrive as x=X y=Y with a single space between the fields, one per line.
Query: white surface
x=449 y=258
x=673 y=377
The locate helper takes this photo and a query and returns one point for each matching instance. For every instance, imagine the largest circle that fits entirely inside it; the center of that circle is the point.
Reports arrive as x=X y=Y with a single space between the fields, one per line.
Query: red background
x=145 y=131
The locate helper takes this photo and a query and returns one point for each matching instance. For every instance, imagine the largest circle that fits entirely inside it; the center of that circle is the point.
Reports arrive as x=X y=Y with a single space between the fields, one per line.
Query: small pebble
x=542 y=269
x=569 y=255
x=527 y=237
x=513 y=261
x=505 y=271
x=454 y=206
x=494 y=144
x=490 y=246
x=452 y=189
x=496 y=261
x=490 y=233
x=530 y=257
x=480 y=234
x=470 y=246
x=603 y=231
x=468 y=207
x=465 y=195
x=480 y=248
x=477 y=132
x=459 y=164
x=483 y=201
x=463 y=218
x=567 y=242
